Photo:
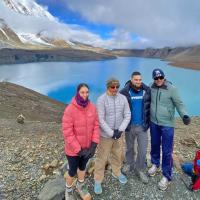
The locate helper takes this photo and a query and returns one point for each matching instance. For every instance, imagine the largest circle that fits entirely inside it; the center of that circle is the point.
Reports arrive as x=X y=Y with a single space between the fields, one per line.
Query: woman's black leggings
x=76 y=162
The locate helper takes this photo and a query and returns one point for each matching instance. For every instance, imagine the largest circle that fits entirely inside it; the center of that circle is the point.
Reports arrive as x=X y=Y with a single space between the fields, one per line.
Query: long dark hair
x=82 y=85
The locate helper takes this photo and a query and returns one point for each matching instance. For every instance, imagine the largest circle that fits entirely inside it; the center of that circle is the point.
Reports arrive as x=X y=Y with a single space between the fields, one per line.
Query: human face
x=84 y=92
x=159 y=81
x=136 y=80
x=113 y=89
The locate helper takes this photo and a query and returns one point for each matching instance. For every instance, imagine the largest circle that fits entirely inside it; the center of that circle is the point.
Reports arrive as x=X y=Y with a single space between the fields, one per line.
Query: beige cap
x=112 y=81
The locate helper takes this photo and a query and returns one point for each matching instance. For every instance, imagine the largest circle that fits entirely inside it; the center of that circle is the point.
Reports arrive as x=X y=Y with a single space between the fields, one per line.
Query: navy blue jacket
x=146 y=103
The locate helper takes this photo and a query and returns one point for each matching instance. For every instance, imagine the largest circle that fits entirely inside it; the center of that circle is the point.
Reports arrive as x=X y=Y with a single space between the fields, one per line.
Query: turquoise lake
x=58 y=80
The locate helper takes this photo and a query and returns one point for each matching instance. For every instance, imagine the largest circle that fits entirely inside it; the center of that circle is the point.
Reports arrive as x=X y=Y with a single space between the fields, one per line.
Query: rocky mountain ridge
x=16 y=56
x=150 y=52
x=17 y=46
x=188 y=57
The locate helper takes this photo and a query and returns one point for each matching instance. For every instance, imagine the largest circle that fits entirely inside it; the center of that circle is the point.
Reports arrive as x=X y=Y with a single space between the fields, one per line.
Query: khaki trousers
x=109 y=150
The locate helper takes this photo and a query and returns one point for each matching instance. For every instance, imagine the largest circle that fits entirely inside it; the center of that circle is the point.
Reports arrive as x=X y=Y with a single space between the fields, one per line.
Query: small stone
x=46 y=166
x=42 y=177
x=20 y=119
x=61 y=162
x=54 y=163
x=57 y=172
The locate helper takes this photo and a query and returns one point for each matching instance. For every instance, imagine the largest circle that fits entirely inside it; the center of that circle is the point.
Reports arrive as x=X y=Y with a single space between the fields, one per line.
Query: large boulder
x=53 y=190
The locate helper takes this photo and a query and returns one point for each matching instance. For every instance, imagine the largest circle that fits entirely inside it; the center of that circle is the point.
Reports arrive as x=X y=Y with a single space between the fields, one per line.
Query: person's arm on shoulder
x=67 y=129
x=101 y=114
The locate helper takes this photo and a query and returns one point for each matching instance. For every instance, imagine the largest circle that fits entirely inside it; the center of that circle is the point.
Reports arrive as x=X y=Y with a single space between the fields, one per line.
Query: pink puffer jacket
x=80 y=127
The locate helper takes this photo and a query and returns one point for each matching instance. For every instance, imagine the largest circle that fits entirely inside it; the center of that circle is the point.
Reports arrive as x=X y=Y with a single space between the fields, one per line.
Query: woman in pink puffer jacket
x=80 y=128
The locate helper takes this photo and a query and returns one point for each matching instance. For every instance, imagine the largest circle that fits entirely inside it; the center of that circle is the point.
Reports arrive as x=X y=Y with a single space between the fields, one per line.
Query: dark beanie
x=157 y=73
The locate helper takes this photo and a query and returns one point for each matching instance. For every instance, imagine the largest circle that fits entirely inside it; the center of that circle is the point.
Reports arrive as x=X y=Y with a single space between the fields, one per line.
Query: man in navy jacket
x=138 y=96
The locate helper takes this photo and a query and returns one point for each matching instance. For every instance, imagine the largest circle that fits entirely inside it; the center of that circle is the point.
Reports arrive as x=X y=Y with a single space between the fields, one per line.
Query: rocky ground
x=31 y=154
x=187 y=141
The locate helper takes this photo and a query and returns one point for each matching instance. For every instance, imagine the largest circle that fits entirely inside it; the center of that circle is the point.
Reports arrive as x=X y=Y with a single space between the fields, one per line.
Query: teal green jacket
x=164 y=100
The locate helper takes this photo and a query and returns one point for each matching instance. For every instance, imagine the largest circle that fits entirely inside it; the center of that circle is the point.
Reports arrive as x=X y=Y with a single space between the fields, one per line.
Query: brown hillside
x=15 y=100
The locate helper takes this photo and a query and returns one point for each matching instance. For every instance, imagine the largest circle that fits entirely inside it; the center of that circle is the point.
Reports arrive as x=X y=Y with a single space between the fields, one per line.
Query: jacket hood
x=128 y=85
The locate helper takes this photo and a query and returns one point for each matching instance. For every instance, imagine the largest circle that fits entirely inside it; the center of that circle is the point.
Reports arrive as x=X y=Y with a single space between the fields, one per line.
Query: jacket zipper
x=156 y=105
x=143 y=112
x=159 y=96
x=115 y=113
x=86 y=142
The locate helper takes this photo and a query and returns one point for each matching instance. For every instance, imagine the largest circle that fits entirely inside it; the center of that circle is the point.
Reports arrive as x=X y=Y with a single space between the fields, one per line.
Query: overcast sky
x=159 y=22
x=119 y=23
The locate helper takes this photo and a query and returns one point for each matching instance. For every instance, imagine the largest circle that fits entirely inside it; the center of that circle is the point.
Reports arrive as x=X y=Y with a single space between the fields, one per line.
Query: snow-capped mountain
x=25 y=24
x=14 y=38
x=28 y=7
x=8 y=38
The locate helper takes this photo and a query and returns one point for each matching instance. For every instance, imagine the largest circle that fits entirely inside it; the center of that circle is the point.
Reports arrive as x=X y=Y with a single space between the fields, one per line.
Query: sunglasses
x=159 y=77
x=115 y=86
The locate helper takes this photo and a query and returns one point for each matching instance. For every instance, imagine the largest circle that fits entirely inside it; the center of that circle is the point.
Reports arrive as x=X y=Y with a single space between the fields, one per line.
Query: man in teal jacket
x=164 y=100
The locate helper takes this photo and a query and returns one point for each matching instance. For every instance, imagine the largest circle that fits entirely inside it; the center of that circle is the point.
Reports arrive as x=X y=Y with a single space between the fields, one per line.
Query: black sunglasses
x=159 y=77
x=115 y=86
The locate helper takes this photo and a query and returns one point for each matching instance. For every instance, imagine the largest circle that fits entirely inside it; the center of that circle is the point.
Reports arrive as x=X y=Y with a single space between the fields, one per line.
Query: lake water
x=59 y=79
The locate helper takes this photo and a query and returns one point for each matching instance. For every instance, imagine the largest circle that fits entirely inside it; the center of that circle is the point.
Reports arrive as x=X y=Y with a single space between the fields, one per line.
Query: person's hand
x=84 y=153
x=186 y=120
x=92 y=149
x=117 y=134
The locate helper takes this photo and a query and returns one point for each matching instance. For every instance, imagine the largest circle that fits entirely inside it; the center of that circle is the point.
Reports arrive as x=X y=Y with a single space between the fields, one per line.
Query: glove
x=186 y=119
x=117 y=134
x=92 y=149
x=84 y=153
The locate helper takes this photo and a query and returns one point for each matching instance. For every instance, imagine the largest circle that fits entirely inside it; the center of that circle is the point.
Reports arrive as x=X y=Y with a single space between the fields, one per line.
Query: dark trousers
x=76 y=162
x=162 y=135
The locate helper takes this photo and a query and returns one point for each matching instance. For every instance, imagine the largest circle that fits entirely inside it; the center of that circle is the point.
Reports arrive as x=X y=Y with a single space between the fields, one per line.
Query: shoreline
x=193 y=66
x=79 y=56
x=21 y=56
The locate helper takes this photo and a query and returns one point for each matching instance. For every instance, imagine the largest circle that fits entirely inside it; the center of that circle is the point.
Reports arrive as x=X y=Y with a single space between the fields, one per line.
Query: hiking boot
x=83 y=191
x=163 y=184
x=122 y=178
x=127 y=169
x=142 y=176
x=97 y=188
x=153 y=170
x=69 y=195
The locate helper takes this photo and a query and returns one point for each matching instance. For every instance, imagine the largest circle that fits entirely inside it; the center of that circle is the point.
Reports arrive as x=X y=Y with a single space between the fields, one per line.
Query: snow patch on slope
x=32 y=39
x=29 y=7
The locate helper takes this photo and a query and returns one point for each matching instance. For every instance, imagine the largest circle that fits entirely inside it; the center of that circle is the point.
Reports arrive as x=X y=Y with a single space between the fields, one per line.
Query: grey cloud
x=161 y=23
x=101 y=12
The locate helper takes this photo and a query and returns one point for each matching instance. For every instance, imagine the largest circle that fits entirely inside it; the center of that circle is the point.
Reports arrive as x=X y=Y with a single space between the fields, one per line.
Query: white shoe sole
x=164 y=188
x=156 y=172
